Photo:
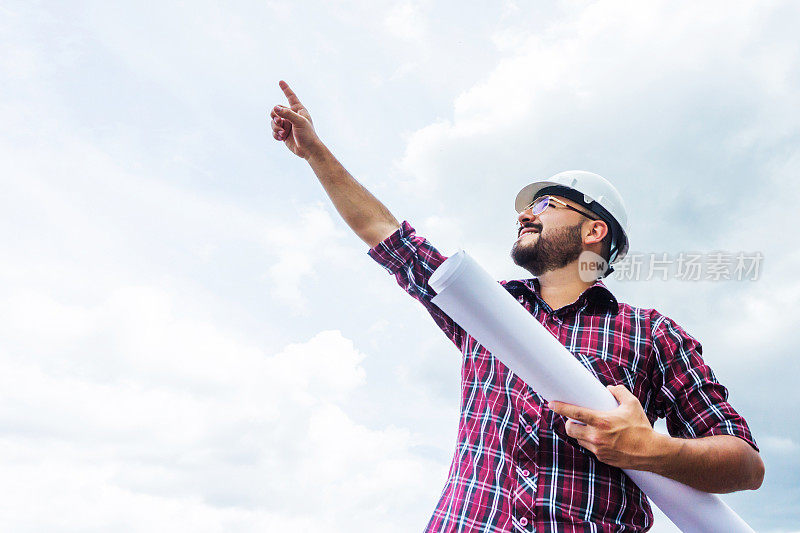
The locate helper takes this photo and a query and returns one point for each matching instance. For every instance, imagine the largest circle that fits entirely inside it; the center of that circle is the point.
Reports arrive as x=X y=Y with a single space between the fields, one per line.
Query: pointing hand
x=293 y=125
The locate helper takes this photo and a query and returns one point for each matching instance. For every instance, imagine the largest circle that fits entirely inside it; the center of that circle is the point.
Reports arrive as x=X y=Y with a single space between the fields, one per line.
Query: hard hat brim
x=528 y=193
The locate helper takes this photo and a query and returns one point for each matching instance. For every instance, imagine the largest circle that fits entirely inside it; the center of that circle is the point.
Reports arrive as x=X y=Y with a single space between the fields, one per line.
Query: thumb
x=288 y=114
x=622 y=394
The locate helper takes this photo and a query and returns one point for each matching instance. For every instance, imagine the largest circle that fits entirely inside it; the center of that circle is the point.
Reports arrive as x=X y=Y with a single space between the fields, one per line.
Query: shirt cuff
x=737 y=431
x=395 y=250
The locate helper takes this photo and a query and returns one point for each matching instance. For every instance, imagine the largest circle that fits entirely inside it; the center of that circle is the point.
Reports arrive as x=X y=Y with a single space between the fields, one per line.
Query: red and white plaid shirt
x=514 y=467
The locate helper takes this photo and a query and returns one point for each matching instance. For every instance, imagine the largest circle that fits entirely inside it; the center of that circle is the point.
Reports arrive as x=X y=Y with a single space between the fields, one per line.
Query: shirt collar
x=597 y=295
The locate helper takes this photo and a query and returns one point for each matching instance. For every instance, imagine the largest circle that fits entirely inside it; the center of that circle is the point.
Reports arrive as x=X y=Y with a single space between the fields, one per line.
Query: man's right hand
x=293 y=126
x=364 y=213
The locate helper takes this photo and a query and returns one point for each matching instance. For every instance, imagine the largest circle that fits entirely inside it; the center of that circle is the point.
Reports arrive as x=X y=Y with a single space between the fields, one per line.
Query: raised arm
x=364 y=213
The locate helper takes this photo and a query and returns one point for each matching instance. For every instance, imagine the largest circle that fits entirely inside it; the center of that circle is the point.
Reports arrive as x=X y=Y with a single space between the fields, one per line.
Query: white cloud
x=407 y=21
x=782 y=445
x=300 y=247
x=161 y=259
x=595 y=81
x=152 y=414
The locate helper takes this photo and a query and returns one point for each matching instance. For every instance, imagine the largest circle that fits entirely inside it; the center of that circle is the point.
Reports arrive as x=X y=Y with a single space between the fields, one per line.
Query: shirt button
x=529 y=429
x=525 y=473
x=523 y=521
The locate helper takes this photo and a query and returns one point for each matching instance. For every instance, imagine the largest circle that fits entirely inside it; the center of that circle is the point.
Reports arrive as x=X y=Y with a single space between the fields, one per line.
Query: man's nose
x=525 y=216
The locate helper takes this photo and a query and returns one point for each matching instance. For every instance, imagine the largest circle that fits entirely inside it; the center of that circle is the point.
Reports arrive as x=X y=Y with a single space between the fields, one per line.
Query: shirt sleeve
x=687 y=394
x=412 y=260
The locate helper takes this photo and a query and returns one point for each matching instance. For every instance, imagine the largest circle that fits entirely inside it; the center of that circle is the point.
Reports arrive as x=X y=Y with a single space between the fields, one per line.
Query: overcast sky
x=192 y=340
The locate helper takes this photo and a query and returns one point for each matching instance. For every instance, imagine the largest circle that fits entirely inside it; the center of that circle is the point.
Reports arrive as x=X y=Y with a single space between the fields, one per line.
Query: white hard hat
x=595 y=193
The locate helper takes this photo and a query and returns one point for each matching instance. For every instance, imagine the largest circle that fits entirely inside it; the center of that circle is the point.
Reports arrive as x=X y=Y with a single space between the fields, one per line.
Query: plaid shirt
x=514 y=467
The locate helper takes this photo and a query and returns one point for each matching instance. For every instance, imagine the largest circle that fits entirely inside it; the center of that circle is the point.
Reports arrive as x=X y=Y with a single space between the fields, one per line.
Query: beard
x=555 y=249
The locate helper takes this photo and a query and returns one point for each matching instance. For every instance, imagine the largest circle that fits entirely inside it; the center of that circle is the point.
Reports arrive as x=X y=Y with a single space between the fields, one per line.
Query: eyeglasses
x=538 y=206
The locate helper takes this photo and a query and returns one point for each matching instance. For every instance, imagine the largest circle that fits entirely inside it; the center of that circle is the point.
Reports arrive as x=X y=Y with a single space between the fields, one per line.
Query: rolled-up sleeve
x=688 y=395
x=412 y=260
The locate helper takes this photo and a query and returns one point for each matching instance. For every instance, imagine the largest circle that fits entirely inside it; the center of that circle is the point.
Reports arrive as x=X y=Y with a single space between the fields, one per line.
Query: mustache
x=526 y=226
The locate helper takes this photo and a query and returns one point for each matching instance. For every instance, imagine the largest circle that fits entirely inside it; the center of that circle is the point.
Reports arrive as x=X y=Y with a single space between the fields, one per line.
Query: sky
x=192 y=339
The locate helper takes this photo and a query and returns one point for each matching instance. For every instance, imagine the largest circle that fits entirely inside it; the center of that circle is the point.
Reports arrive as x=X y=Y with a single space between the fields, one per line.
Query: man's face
x=549 y=240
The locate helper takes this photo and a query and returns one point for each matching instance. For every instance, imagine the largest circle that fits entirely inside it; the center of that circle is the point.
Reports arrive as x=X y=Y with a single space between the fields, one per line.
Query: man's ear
x=598 y=230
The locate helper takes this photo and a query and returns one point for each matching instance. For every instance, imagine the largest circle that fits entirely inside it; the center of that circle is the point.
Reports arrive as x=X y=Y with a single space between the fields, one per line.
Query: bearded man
x=520 y=463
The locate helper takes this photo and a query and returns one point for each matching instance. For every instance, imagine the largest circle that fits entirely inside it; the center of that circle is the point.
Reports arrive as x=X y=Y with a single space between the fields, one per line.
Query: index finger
x=581 y=414
x=293 y=99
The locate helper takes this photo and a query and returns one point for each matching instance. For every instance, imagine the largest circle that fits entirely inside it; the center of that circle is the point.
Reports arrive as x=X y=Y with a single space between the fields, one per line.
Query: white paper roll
x=483 y=308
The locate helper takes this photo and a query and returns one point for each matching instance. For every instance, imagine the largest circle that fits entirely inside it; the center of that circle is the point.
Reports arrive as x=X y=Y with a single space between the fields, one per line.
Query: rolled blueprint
x=484 y=309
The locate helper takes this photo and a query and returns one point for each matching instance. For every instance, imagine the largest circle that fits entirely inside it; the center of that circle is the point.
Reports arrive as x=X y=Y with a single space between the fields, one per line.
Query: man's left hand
x=623 y=437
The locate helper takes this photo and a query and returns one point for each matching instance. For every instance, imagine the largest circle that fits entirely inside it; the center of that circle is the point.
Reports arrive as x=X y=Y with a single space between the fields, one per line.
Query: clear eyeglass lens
x=539 y=205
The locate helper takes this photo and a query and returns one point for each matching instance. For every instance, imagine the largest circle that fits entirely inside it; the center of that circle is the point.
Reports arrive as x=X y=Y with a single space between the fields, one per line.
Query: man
x=522 y=464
